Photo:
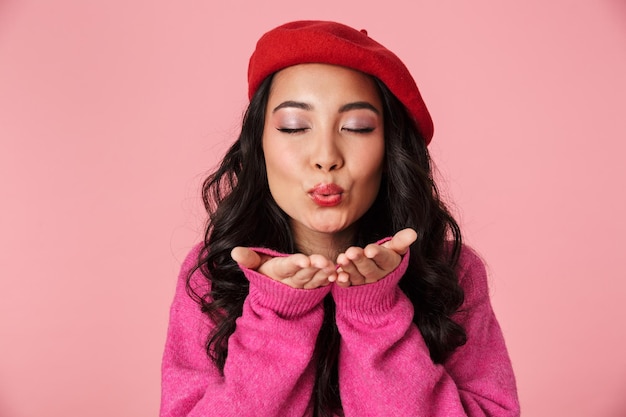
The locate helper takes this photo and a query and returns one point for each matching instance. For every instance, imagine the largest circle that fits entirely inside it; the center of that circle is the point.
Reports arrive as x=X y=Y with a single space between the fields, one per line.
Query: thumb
x=246 y=257
x=401 y=241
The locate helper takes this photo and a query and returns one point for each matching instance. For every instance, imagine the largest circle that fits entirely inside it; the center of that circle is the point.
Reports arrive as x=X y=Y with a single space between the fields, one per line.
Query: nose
x=327 y=155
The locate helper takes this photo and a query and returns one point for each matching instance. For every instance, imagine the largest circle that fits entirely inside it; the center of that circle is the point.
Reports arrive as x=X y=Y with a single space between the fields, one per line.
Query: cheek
x=281 y=165
x=373 y=168
x=372 y=161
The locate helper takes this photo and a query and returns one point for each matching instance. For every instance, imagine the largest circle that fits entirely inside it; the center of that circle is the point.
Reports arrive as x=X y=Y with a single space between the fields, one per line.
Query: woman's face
x=324 y=145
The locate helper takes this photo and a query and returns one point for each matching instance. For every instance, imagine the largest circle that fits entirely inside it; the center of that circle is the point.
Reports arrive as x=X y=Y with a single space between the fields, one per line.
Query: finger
x=384 y=258
x=246 y=257
x=401 y=241
x=356 y=278
x=349 y=272
x=285 y=267
x=366 y=267
x=343 y=279
x=302 y=277
x=312 y=276
x=319 y=279
x=318 y=273
x=325 y=265
x=320 y=261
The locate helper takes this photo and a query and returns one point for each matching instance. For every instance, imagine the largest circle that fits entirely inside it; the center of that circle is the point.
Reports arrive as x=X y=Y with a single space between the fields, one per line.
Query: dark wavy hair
x=242 y=212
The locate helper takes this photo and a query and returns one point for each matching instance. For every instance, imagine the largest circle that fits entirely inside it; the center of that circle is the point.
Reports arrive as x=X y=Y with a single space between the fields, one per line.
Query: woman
x=332 y=279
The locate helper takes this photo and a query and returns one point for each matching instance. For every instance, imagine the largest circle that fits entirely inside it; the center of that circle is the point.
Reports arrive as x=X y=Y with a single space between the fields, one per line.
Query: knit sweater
x=384 y=364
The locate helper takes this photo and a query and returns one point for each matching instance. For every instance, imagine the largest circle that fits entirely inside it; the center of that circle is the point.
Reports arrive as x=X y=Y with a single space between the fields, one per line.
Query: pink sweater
x=384 y=365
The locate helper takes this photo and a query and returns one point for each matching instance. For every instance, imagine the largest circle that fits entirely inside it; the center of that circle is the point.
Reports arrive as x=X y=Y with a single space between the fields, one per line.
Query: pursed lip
x=326 y=195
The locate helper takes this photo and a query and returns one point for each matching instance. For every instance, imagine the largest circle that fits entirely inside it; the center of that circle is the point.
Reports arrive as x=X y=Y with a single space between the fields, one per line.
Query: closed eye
x=291 y=131
x=359 y=130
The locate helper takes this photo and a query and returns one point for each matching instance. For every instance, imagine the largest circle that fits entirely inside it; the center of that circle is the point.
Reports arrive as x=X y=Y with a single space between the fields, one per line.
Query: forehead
x=323 y=82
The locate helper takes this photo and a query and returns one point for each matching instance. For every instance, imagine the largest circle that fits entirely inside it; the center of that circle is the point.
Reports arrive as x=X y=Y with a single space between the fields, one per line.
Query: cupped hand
x=297 y=271
x=358 y=266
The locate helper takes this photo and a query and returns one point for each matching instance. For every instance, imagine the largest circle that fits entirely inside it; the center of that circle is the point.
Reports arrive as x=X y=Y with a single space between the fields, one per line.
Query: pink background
x=111 y=112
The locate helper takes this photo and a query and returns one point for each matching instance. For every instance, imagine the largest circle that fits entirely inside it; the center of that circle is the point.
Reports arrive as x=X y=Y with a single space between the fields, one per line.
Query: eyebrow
x=296 y=104
x=358 y=105
x=346 y=107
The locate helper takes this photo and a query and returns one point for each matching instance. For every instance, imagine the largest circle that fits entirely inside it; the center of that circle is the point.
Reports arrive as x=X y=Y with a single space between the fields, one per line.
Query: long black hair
x=408 y=197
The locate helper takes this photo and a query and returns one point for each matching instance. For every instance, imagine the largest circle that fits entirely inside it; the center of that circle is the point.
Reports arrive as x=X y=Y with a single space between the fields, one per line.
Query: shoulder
x=191 y=273
x=472 y=274
x=191 y=259
x=469 y=261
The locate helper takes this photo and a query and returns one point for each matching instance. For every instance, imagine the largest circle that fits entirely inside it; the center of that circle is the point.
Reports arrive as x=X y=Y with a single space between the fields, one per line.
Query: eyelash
x=290 y=131
x=360 y=130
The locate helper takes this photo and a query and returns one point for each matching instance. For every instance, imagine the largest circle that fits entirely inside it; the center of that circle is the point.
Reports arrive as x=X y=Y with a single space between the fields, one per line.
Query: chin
x=330 y=228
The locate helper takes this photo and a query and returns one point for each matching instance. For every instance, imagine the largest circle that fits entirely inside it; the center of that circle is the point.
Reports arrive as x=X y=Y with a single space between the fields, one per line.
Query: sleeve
x=269 y=370
x=385 y=366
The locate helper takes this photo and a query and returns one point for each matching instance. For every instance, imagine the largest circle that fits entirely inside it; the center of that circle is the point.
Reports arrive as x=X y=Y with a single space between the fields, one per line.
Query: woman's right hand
x=297 y=271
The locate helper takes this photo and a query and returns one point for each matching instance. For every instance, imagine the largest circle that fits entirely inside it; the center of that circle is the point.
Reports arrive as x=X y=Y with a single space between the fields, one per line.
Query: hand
x=297 y=271
x=359 y=266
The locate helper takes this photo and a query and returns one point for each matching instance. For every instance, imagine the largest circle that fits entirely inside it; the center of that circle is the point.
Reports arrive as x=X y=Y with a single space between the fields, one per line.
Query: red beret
x=334 y=43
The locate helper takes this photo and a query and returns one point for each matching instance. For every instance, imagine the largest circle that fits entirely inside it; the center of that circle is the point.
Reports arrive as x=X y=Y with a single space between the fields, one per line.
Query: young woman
x=332 y=280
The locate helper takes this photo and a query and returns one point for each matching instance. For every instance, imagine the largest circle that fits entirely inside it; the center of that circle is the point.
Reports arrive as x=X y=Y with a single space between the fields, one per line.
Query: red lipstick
x=326 y=195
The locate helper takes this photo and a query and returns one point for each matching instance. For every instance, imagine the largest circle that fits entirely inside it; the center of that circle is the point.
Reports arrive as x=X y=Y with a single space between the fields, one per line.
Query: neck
x=329 y=245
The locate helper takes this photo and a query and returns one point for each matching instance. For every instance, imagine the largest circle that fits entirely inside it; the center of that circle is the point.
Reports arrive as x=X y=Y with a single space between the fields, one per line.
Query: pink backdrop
x=112 y=111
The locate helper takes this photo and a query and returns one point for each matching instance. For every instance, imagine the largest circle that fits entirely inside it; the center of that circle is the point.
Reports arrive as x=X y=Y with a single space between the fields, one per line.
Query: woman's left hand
x=358 y=266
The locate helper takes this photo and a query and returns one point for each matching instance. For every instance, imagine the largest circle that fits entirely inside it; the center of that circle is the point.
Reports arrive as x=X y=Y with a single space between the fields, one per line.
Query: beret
x=314 y=41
